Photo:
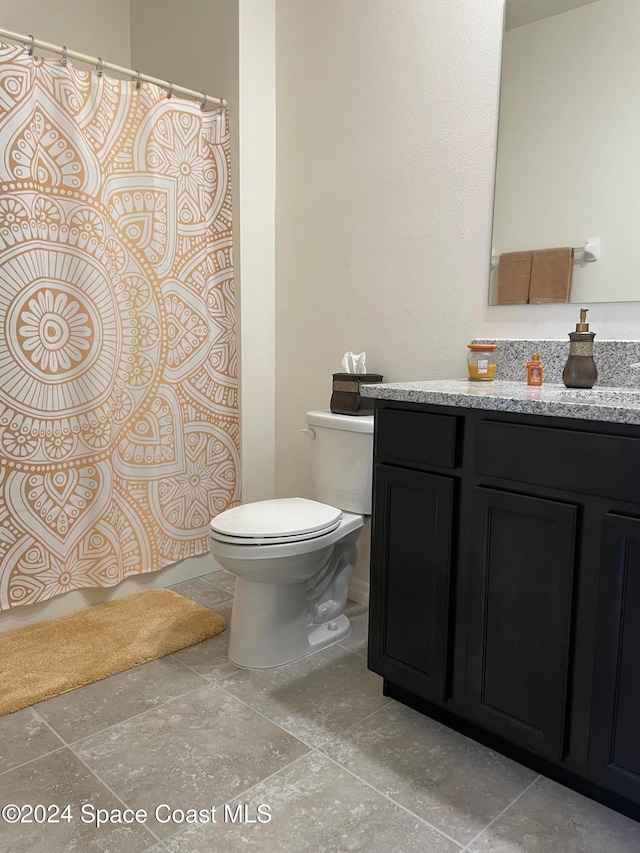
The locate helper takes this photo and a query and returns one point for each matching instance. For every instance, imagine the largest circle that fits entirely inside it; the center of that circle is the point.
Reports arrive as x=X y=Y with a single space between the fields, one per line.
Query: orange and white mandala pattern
x=118 y=391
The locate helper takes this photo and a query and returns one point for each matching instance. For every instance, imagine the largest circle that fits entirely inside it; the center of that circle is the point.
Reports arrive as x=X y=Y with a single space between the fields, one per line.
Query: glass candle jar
x=481 y=361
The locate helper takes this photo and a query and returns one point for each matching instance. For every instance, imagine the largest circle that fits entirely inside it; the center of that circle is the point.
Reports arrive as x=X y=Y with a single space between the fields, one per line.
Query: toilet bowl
x=292 y=557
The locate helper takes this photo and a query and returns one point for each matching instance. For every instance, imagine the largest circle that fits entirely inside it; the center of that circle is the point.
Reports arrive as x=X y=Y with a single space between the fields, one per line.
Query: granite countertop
x=616 y=405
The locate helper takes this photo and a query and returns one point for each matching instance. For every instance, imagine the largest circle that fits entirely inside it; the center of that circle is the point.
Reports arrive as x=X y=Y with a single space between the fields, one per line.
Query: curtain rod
x=99 y=63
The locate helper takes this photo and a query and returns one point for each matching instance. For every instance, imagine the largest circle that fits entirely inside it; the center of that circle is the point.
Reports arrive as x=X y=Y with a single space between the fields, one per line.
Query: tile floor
x=338 y=766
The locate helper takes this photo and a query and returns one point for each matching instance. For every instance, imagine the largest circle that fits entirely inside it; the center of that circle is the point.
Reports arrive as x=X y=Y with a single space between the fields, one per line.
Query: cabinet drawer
x=420 y=438
x=606 y=466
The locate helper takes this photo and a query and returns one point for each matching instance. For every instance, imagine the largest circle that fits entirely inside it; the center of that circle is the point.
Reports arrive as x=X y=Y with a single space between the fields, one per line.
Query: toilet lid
x=280 y=520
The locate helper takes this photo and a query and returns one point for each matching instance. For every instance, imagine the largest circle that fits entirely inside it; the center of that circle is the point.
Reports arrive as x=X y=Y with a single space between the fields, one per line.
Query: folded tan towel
x=551 y=273
x=514 y=276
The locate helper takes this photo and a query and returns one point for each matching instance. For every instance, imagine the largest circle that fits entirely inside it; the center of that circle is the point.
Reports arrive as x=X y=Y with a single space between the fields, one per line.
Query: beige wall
x=95 y=27
x=193 y=43
x=257 y=193
x=387 y=119
x=226 y=48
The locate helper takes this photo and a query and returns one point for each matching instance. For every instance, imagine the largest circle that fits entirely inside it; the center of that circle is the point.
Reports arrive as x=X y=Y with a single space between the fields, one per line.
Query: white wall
x=226 y=48
x=95 y=27
x=568 y=165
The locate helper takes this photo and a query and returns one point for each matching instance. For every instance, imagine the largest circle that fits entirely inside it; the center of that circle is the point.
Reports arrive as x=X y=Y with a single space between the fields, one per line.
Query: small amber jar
x=534 y=370
x=481 y=361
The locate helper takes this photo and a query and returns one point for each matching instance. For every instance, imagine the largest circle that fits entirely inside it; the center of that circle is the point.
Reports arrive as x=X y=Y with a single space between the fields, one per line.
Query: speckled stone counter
x=615 y=405
x=613 y=360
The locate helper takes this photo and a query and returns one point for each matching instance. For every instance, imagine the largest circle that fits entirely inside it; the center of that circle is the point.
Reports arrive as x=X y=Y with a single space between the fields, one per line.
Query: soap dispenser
x=580 y=370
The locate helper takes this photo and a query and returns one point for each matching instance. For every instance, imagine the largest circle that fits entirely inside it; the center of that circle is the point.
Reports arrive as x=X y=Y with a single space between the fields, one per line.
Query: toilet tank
x=342 y=460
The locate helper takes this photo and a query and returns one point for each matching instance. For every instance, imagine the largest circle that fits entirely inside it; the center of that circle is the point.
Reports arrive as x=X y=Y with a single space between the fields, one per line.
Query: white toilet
x=292 y=557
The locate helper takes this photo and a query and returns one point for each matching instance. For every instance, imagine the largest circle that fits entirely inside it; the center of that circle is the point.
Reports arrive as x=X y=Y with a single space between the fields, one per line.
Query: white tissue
x=354 y=363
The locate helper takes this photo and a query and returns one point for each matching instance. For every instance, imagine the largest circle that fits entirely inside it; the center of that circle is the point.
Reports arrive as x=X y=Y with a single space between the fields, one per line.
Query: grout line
x=186 y=666
x=362 y=655
x=205 y=579
x=252 y=786
x=204 y=677
x=205 y=683
x=202 y=577
x=280 y=726
x=394 y=802
x=80 y=740
x=95 y=775
x=358 y=722
x=37 y=758
x=212 y=587
x=221 y=590
x=49 y=726
x=145 y=825
x=264 y=716
x=491 y=822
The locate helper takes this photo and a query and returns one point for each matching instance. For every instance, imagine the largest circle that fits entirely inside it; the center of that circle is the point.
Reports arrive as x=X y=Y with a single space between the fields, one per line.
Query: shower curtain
x=118 y=393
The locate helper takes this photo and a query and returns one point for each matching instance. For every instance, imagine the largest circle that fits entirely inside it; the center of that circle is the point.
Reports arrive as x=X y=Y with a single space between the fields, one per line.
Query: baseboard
x=79 y=599
x=359 y=591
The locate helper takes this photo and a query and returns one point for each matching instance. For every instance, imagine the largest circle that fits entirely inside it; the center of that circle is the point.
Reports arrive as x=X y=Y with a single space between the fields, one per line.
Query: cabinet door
x=411 y=579
x=521 y=584
x=614 y=750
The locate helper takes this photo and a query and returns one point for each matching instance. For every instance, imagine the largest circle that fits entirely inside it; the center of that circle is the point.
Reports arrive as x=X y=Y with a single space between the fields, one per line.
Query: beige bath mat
x=43 y=660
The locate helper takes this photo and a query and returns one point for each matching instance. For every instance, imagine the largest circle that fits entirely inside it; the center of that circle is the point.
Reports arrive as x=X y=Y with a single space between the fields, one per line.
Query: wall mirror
x=568 y=165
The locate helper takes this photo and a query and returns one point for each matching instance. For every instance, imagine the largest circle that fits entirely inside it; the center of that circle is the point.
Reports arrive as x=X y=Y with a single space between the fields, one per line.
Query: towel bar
x=589 y=253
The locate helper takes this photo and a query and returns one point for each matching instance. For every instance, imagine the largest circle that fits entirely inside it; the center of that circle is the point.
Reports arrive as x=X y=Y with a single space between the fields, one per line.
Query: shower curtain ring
x=138 y=81
x=30 y=48
x=203 y=105
x=170 y=92
x=100 y=66
x=64 y=55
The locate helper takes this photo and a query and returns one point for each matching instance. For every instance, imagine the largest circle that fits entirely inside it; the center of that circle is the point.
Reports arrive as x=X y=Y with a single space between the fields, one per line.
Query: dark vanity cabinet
x=520 y=617
x=415 y=578
x=614 y=757
x=505 y=585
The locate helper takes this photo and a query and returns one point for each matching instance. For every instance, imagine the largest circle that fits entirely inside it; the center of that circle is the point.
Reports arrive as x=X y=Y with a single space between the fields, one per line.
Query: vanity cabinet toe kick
x=505 y=585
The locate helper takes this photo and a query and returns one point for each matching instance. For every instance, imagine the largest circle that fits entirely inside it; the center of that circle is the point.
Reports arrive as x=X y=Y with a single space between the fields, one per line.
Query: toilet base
x=270 y=626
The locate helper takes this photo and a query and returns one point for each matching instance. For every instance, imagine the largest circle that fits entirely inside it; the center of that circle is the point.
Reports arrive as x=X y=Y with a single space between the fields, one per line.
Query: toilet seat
x=275 y=521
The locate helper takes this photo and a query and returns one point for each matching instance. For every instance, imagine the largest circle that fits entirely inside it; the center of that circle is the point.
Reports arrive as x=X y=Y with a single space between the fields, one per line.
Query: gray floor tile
x=24 y=736
x=357 y=640
x=223 y=580
x=210 y=657
x=550 y=817
x=91 y=708
x=316 y=807
x=204 y=593
x=314 y=698
x=59 y=778
x=204 y=747
x=448 y=780
x=192 y=752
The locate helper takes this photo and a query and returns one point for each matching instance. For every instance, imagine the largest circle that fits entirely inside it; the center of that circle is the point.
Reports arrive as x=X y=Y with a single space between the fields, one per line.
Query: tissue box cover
x=345 y=396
